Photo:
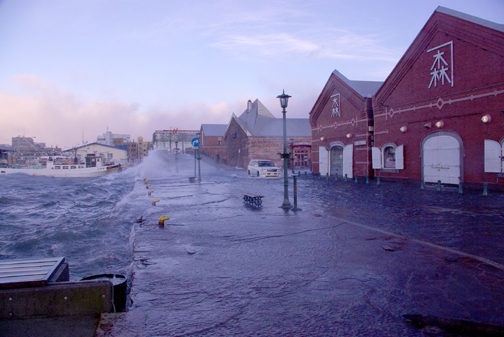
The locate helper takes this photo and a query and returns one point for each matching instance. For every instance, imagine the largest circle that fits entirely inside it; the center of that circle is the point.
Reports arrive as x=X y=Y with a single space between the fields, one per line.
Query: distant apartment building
x=132 y=148
x=26 y=148
x=113 y=139
x=25 y=145
x=174 y=138
x=143 y=147
x=137 y=150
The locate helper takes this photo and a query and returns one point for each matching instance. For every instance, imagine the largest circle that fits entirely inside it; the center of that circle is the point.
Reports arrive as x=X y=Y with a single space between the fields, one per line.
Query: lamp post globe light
x=284 y=99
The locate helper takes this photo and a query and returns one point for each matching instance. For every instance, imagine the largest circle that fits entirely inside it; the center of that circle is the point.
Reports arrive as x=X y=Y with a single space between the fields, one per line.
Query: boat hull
x=87 y=172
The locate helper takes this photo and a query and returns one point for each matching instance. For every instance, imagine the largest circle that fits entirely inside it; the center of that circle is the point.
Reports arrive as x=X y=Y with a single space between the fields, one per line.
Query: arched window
x=390 y=156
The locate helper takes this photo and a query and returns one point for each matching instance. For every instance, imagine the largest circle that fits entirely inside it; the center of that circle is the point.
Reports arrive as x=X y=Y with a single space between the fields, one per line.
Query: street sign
x=195 y=142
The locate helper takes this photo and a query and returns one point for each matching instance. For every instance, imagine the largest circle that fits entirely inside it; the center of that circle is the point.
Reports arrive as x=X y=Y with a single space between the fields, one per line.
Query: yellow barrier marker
x=146 y=181
x=162 y=220
x=150 y=191
x=147 y=186
x=154 y=202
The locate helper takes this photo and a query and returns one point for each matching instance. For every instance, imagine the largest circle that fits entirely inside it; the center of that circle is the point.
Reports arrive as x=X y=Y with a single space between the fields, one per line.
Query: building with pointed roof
x=257 y=134
x=342 y=123
x=439 y=115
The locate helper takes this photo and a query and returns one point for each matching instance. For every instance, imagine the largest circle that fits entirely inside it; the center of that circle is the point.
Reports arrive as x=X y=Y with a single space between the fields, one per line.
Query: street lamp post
x=176 y=155
x=199 y=156
x=283 y=103
x=292 y=152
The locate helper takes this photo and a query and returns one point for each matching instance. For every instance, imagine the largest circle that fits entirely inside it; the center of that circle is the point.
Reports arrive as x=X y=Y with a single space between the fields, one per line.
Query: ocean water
x=89 y=221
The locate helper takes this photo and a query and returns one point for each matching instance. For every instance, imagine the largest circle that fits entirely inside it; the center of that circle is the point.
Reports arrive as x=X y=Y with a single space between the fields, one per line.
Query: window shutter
x=348 y=161
x=323 y=160
x=492 y=156
x=376 y=155
x=399 y=157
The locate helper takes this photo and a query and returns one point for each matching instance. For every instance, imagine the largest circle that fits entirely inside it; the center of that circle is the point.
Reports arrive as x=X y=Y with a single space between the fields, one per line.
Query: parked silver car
x=263 y=168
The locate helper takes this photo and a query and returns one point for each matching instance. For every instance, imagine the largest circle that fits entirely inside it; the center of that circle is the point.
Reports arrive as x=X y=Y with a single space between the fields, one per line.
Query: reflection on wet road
x=221 y=268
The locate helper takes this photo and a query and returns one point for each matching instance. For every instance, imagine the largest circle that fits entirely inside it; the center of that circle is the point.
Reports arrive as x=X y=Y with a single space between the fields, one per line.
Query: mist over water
x=89 y=221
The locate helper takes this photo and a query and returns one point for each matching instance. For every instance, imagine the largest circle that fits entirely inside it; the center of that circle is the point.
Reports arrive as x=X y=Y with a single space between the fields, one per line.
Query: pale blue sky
x=72 y=68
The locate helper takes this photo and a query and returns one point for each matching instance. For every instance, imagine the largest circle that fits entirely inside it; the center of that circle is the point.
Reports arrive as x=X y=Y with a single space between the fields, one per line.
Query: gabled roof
x=214 y=129
x=258 y=121
x=296 y=127
x=255 y=116
x=470 y=18
x=450 y=22
x=363 y=88
x=95 y=143
x=235 y=118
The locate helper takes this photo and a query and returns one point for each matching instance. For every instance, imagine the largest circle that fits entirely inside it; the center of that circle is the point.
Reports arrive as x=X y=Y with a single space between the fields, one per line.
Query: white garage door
x=441 y=160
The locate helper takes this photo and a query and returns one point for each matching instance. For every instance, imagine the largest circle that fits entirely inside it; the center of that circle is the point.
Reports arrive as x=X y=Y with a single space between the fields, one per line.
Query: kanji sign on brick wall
x=441 y=70
x=336 y=107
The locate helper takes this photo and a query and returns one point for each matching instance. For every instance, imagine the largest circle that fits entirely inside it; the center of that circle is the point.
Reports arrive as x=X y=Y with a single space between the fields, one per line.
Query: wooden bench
x=253 y=200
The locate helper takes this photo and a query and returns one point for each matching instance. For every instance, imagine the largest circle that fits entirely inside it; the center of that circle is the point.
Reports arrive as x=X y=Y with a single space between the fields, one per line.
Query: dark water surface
x=86 y=220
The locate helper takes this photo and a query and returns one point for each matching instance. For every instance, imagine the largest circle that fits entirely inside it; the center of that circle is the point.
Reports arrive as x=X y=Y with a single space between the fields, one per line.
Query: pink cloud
x=59 y=118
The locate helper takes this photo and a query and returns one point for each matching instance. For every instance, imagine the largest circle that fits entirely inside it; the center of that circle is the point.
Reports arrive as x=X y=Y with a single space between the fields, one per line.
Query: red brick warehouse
x=439 y=115
x=341 y=123
x=257 y=134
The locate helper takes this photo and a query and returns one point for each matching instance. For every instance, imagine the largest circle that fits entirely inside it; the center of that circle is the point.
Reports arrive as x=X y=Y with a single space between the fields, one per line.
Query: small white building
x=109 y=153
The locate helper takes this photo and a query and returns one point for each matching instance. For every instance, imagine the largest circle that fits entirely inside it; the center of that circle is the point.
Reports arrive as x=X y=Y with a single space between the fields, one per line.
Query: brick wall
x=211 y=146
x=270 y=147
x=351 y=128
x=478 y=89
x=236 y=141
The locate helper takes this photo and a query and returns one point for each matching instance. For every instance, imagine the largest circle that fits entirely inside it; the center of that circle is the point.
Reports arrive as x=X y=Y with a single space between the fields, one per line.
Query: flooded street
x=351 y=263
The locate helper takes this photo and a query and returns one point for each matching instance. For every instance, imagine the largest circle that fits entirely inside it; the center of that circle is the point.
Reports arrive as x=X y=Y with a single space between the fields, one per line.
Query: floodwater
x=86 y=220
x=219 y=267
x=89 y=221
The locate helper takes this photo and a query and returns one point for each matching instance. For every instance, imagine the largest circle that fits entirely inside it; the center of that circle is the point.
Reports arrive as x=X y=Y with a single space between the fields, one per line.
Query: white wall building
x=109 y=153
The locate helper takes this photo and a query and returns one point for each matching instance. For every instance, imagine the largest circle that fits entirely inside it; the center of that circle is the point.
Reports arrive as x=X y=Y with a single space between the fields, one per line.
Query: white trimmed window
x=389 y=156
x=494 y=153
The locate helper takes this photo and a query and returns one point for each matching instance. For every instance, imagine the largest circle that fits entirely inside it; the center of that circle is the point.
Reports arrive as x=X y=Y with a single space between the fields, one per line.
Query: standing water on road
x=219 y=267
